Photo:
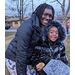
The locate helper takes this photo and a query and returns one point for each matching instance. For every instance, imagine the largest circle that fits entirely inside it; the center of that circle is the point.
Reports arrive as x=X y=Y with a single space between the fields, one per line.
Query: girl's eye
x=51 y=32
x=56 y=33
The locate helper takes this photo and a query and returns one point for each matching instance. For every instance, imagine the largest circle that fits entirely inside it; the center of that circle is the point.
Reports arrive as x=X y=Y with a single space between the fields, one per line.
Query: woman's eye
x=50 y=15
x=45 y=14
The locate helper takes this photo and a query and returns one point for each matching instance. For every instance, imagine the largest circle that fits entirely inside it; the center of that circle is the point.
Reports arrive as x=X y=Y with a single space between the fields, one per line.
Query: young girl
x=55 y=48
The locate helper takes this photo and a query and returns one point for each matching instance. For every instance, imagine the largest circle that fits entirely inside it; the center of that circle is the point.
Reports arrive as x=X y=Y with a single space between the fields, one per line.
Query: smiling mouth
x=45 y=21
x=54 y=38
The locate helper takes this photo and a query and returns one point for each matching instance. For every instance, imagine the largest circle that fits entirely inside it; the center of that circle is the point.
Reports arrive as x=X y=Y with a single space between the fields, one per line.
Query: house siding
x=15 y=25
x=12 y=21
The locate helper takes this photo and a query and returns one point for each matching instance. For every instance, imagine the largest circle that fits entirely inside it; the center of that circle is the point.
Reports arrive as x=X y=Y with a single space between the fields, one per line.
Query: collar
x=35 y=22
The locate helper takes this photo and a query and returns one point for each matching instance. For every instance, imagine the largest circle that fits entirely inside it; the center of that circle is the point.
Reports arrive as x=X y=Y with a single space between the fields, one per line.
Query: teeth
x=53 y=37
x=45 y=21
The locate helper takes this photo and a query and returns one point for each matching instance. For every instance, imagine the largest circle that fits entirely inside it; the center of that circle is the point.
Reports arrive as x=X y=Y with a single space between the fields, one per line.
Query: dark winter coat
x=46 y=52
x=21 y=47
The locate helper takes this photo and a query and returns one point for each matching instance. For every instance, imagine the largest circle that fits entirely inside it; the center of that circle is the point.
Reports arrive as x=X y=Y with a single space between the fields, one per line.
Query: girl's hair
x=61 y=30
x=40 y=9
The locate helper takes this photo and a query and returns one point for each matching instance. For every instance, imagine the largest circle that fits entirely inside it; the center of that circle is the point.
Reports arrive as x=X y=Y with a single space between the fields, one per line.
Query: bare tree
x=18 y=5
x=64 y=11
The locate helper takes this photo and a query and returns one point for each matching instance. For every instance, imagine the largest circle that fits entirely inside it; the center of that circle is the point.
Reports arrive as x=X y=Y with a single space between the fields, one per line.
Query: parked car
x=7 y=26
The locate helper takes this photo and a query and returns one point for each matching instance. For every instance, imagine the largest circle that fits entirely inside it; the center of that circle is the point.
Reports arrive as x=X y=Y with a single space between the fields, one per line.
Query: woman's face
x=46 y=17
x=53 y=34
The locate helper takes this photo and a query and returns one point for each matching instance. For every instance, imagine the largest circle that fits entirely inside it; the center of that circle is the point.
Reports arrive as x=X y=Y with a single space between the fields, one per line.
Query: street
x=11 y=30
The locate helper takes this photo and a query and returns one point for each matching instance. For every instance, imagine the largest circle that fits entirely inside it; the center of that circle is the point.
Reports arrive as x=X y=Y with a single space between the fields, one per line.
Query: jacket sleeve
x=62 y=56
x=41 y=54
x=35 y=60
x=24 y=33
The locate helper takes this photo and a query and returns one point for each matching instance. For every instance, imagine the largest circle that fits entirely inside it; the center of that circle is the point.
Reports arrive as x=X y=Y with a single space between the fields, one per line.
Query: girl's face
x=53 y=34
x=46 y=17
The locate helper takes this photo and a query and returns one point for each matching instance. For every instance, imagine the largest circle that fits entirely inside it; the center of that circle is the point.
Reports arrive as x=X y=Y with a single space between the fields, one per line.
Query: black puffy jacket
x=21 y=47
x=45 y=52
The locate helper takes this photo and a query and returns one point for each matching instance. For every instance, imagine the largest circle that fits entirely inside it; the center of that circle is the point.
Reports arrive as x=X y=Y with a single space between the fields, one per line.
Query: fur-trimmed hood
x=61 y=29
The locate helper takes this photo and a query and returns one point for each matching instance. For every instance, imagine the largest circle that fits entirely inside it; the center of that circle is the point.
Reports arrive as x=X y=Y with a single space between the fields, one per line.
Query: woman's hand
x=66 y=57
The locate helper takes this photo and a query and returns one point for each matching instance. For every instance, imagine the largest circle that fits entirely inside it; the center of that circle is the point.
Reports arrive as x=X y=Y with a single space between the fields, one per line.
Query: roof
x=15 y=19
x=60 y=16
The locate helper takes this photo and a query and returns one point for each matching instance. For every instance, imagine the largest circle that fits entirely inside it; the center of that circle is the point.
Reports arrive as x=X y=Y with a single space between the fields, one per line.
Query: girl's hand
x=40 y=66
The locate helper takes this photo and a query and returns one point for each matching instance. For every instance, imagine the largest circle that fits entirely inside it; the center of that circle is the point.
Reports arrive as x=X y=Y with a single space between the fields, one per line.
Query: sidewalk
x=7 y=41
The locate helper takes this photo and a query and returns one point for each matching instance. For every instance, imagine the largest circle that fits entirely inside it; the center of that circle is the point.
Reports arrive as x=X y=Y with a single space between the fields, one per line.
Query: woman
x=27 y=37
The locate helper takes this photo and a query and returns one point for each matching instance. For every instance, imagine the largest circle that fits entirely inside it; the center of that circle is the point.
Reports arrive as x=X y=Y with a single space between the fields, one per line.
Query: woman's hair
x=61 y=30
x=40 y=9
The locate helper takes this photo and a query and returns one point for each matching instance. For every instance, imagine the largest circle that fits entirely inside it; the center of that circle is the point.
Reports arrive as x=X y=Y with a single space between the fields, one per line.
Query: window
x=16 y=22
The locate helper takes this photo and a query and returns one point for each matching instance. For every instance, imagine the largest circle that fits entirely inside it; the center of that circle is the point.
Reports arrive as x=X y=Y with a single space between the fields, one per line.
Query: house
x=14 y=22
x=61 y=16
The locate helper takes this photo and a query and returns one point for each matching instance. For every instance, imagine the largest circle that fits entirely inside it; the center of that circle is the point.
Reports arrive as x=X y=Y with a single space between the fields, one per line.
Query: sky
x=56 y=6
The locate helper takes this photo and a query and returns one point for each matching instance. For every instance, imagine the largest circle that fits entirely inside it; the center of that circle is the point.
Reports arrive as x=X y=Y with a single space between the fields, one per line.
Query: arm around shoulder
x=24 y=33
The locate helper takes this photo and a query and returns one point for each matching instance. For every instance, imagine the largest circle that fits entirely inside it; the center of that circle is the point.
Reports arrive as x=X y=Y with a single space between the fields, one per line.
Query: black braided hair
x=40 y=9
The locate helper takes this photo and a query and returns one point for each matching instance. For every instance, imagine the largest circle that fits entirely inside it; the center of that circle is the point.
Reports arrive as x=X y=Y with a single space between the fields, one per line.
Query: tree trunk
x=64 y=25
x=64 y=20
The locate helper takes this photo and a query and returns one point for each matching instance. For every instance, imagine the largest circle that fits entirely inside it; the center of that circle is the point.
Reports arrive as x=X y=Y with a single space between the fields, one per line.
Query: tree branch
x=12 y=8
x=68 y=8
x=52 y=1
x=59 y=2
x=63 y=10
x=63 y=2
